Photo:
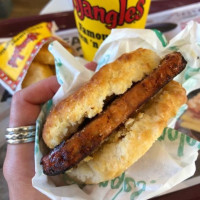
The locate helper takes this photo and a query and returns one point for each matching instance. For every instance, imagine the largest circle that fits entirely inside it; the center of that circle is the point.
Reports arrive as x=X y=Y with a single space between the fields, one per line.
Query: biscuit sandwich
x=104 y=127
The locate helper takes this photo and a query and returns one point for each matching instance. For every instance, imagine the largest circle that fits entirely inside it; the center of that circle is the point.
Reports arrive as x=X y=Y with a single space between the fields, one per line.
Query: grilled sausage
x=70 y=152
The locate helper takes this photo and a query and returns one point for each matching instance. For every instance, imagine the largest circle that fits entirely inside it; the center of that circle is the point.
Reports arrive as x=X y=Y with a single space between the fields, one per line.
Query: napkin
x=172 y=157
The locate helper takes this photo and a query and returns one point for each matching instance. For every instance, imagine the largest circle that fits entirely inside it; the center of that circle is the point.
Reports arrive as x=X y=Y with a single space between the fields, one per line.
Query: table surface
x=65 y=21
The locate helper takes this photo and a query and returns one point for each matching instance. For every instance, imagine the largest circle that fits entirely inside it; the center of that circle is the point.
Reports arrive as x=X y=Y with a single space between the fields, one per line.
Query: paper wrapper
x=170 y=160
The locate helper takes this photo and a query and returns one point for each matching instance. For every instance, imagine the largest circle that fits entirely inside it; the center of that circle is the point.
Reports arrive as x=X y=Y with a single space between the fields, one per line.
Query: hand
x=19 y=163
x=18 y=167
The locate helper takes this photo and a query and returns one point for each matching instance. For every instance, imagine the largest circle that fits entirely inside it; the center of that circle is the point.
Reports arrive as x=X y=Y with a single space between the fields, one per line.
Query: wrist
x=24 y=190
x=19 y=161
x=19 y=170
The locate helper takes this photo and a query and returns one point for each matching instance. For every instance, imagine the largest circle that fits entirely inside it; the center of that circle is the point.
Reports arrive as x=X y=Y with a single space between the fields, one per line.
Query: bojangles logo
x=19 y=48
x=111 y=18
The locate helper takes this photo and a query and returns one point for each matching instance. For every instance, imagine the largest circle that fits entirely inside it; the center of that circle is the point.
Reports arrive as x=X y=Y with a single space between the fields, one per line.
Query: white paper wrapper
x=170 y=160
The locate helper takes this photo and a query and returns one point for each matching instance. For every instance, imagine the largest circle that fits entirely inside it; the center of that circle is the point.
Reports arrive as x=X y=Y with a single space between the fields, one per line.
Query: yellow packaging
x=17 y=54
x=96 y=18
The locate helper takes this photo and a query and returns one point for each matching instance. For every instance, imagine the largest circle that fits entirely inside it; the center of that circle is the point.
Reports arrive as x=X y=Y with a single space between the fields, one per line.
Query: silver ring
x=21 y=141
x=22 y=134
x=21 y=128
x=19 y=135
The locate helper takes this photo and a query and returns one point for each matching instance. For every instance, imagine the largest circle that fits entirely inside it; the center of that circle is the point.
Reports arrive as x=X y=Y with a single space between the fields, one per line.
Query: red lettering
x=76 y=6
x=99 y=13
x=111 y=19
x=122 y=10
x=130 y=15
x=140 y=8
x=19 y=48
x=87 y=9
x=80 y=12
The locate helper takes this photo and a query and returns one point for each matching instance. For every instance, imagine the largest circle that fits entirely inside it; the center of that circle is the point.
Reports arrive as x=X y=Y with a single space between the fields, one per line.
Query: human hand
x=19 y=163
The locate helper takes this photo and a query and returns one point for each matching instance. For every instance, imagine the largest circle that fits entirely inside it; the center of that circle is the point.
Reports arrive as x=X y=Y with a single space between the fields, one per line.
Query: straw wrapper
x=170 y=160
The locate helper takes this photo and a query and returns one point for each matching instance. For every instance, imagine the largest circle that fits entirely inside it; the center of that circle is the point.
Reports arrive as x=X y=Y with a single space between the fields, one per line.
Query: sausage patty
x=70 y=152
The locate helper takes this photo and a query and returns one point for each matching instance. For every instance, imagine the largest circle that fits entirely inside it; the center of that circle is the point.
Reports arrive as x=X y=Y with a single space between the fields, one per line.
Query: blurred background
x=20 y=8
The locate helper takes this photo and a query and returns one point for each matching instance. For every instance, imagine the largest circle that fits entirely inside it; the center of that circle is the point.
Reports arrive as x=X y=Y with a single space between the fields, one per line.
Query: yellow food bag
x=17 y=54
x=96 y=18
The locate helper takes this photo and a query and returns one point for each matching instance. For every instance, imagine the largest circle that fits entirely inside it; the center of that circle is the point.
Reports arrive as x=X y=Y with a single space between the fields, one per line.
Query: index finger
x=40 y=92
